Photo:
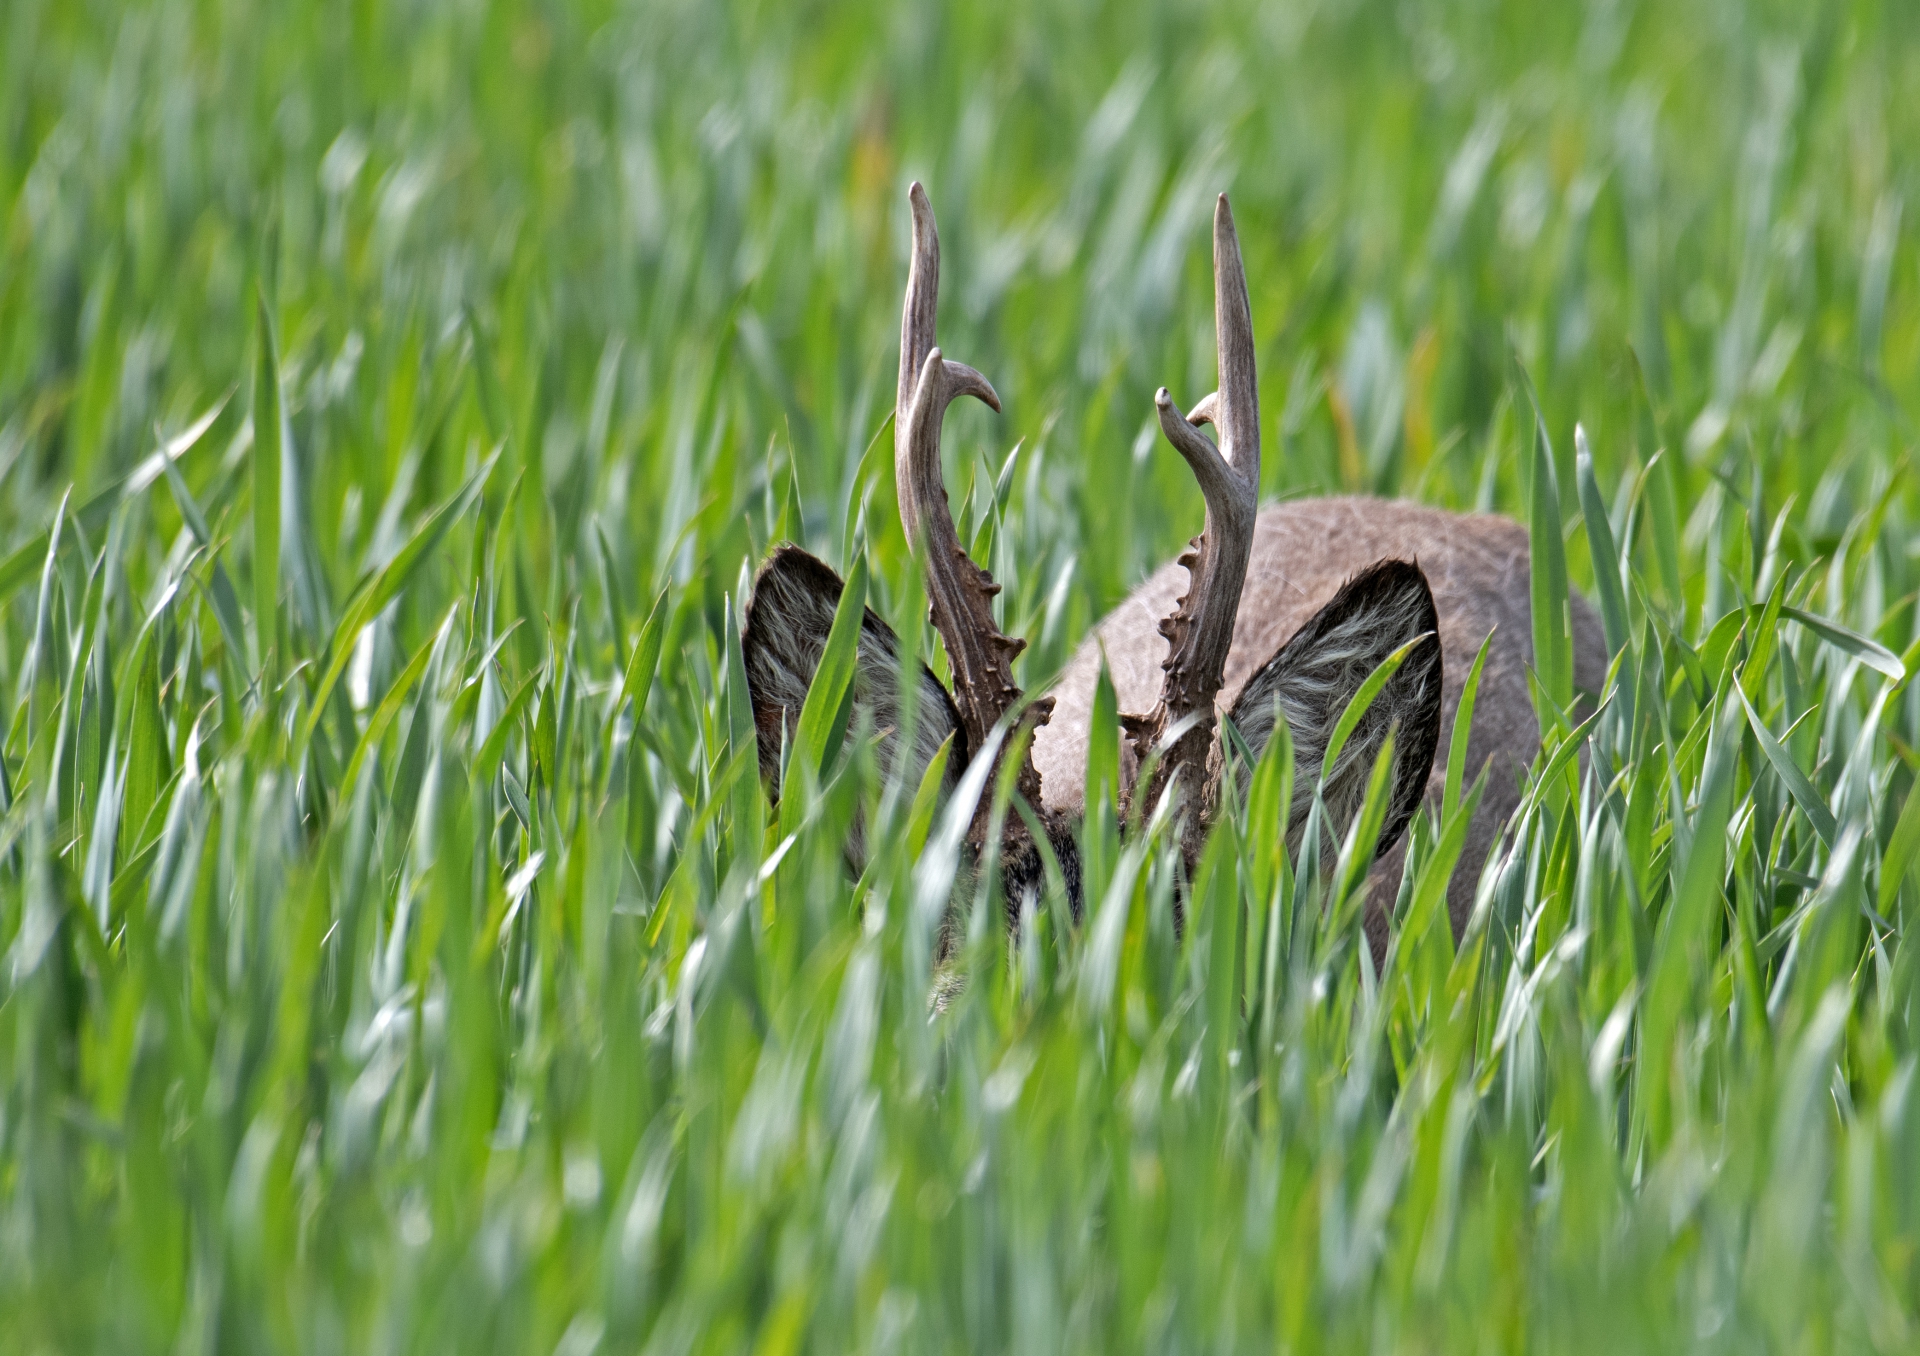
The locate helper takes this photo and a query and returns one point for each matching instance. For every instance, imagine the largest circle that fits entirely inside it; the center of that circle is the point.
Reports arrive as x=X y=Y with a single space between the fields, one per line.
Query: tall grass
x=399 y=951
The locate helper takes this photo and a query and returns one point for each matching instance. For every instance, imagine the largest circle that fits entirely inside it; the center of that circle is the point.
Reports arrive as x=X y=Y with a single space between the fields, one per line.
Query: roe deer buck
x=1287 y=610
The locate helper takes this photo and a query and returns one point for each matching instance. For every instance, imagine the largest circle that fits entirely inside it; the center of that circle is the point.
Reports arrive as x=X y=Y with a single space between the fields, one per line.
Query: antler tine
x=961 y=593
x=1200 y=629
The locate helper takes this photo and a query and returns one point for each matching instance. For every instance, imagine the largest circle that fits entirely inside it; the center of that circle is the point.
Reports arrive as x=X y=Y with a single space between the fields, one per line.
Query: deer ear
x=1312 y=676
x=788 y=618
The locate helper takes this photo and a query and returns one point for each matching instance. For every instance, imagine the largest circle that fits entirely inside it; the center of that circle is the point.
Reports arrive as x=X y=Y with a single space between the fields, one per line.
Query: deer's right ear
x=788 y=617
x=1311 y=678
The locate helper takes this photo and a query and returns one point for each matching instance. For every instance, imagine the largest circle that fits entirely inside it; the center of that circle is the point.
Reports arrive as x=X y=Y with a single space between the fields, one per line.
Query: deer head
x=1175 y=747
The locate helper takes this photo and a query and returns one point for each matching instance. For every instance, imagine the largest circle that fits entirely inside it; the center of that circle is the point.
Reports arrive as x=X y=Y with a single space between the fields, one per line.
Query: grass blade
x=1803 y=792
x=1547 y=586
x=1869 y=652
x=385 y=585
x=384 y=714
x=829 y=705
x=1606 y=559
x=1358 y=704
x=1462 y=731
x=1902 y=846
x=268 y=421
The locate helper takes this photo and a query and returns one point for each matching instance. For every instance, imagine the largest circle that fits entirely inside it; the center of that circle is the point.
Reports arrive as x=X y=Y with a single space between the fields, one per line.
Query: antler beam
x=961 y=593
x=1200 y=630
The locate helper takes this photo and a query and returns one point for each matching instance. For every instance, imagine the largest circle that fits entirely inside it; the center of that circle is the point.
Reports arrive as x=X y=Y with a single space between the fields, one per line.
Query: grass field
x=397 y=952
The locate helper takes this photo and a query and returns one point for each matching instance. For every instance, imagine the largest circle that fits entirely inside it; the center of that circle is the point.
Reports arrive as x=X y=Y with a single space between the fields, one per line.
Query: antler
x=960 y=591
x=1200 y=630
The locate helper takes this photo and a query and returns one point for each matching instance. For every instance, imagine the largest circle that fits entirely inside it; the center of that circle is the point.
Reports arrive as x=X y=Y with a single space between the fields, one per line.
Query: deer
x=1285 y=611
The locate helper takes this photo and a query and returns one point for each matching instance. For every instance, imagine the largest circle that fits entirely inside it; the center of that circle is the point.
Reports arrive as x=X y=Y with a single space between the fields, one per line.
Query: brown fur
x=1477 y=567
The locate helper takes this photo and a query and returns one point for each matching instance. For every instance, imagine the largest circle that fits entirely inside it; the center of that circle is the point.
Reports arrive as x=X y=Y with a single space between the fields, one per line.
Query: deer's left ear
x=788 y=617
x=1313 y=675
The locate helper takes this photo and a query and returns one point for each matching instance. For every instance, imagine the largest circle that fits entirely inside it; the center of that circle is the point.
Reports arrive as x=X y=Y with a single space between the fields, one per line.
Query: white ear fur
x=1312 y=676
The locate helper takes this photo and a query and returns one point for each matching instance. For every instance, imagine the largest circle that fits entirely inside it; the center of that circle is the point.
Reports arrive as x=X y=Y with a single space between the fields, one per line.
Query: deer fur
x=1283 y=614
x=1311 y=676
x=787 y=620
x=1303 y=551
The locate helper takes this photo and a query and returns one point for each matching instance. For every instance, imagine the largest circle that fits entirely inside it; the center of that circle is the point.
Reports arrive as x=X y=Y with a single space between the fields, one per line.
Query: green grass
x=393 y=951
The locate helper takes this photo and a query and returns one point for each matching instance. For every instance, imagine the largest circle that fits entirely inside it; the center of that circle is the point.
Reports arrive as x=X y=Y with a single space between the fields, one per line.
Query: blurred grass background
x=390 y=959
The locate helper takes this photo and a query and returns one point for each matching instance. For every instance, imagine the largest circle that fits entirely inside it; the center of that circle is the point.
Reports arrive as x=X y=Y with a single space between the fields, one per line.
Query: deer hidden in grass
x=1286 y=612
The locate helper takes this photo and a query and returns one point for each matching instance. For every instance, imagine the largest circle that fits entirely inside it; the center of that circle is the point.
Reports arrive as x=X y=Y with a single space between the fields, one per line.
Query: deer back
x=1303 y=551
